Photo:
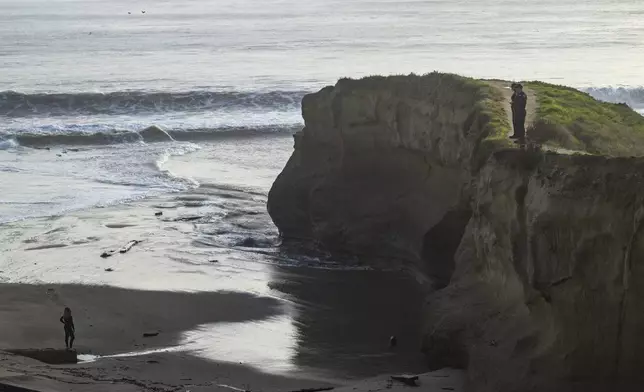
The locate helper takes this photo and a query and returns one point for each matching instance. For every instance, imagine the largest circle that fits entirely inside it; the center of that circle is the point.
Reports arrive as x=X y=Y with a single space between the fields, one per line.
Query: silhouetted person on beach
x=68 y=322
x=519 y=103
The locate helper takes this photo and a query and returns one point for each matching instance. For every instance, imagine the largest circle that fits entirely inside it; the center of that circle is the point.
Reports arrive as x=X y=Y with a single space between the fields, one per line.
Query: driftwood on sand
x=124 y=249
x=314 y=389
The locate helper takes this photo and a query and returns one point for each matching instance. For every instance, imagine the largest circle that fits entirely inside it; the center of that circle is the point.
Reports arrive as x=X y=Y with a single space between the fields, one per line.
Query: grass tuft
x=566 y=117
x=574 y=120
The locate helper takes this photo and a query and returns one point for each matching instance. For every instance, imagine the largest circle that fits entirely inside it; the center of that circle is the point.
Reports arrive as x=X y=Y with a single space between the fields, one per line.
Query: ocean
x=80 y=80
x=92 y=74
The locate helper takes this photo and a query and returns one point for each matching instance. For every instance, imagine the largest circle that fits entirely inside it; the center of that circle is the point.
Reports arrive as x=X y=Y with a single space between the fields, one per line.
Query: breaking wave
x=633 y=97
x=120 y=137
x=15 y=104
x=8 y=144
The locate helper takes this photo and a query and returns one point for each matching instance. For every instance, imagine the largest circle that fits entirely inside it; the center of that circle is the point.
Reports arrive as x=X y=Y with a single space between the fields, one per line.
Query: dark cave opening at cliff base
x=440 y=244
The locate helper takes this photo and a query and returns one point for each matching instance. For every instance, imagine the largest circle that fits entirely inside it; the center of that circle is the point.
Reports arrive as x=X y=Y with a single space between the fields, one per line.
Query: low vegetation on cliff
x=565 y=117
x=574 y=120
x=498 y=128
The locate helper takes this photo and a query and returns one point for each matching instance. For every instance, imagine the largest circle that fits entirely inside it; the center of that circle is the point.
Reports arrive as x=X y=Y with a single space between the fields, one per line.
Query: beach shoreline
x=209 y=276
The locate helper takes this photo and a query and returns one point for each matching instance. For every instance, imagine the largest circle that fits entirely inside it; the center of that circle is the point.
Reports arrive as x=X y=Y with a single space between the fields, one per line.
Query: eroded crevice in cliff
x=520 y=241
x=440 y=244
x=633 y=251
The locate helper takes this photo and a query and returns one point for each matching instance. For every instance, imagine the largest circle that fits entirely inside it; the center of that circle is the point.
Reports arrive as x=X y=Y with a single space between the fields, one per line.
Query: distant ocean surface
x=83 y=77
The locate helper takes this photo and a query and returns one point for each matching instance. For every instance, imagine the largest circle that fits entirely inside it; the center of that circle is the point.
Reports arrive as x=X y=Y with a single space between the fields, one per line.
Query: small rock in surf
x=155 y=134
x=247 y=242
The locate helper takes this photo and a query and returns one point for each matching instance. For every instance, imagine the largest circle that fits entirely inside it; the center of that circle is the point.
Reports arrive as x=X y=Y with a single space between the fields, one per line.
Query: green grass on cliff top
x=565 y=117
x=498 y=127
x=574 y=120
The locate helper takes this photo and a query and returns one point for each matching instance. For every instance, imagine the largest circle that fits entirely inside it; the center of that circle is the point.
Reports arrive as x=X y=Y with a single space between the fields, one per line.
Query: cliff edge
x=534 y=255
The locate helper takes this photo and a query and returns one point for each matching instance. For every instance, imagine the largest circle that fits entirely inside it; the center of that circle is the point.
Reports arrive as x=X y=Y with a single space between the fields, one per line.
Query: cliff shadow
x=112 y=320
x=344 y=319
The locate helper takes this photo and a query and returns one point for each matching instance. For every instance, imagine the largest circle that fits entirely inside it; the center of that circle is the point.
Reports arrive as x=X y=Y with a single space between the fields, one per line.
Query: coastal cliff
x=546 y=294
x=535 y=255
x=382 y=161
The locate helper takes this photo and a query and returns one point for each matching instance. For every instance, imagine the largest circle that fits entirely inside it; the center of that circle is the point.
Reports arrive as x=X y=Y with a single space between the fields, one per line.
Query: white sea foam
x=632 y=96
x=8 y=144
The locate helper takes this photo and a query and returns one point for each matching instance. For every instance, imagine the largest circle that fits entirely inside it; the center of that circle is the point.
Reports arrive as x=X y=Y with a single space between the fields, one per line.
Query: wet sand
x=111 y=320
x=232 y=306
x=155 y=372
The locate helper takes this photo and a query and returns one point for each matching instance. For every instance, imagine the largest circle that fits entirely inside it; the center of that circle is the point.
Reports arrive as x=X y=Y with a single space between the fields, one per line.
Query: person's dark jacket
x=68 y=322
x=519 y=103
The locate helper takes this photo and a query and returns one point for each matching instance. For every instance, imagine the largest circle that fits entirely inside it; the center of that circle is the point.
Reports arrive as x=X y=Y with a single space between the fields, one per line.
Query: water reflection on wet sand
x=329 y=321
x=337 y=324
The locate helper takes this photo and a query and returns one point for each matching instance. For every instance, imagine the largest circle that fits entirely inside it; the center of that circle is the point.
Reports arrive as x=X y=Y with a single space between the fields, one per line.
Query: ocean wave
x=147 y=135
x=205 y=134
x=15 y=104
x=632 y=96
x=8 y=144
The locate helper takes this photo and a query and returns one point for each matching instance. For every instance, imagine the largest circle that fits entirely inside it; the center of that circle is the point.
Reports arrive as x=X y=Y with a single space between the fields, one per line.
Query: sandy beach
x=111 y=322
x=231 y=307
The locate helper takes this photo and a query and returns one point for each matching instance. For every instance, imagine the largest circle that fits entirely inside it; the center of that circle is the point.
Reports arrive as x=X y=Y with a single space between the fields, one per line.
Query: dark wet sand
x=112 y=320
x=154 y=372
x=342 y=325
x=345 y=318
x=302 y=320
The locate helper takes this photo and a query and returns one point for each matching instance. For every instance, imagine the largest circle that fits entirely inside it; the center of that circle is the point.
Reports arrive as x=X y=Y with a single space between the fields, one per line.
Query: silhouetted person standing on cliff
x=519 y=103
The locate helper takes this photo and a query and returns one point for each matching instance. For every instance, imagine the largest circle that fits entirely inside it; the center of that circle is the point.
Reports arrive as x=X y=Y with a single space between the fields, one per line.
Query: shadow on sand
x=344 y=319
x=112 y=320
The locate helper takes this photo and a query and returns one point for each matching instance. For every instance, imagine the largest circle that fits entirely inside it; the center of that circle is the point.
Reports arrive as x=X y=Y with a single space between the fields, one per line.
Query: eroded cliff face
x=379 y=163
x=547 y=291
x=538 y=258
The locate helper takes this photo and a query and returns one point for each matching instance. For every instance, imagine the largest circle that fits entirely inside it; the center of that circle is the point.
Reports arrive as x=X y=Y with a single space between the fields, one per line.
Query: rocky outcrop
x=538 y=258
x=380 y=162
x=153 y=134
x=546 y=291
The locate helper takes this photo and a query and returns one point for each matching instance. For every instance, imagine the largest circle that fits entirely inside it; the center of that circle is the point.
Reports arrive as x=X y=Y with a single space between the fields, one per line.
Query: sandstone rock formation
x=545 y=295
x=537 y=257
x=381 y=162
